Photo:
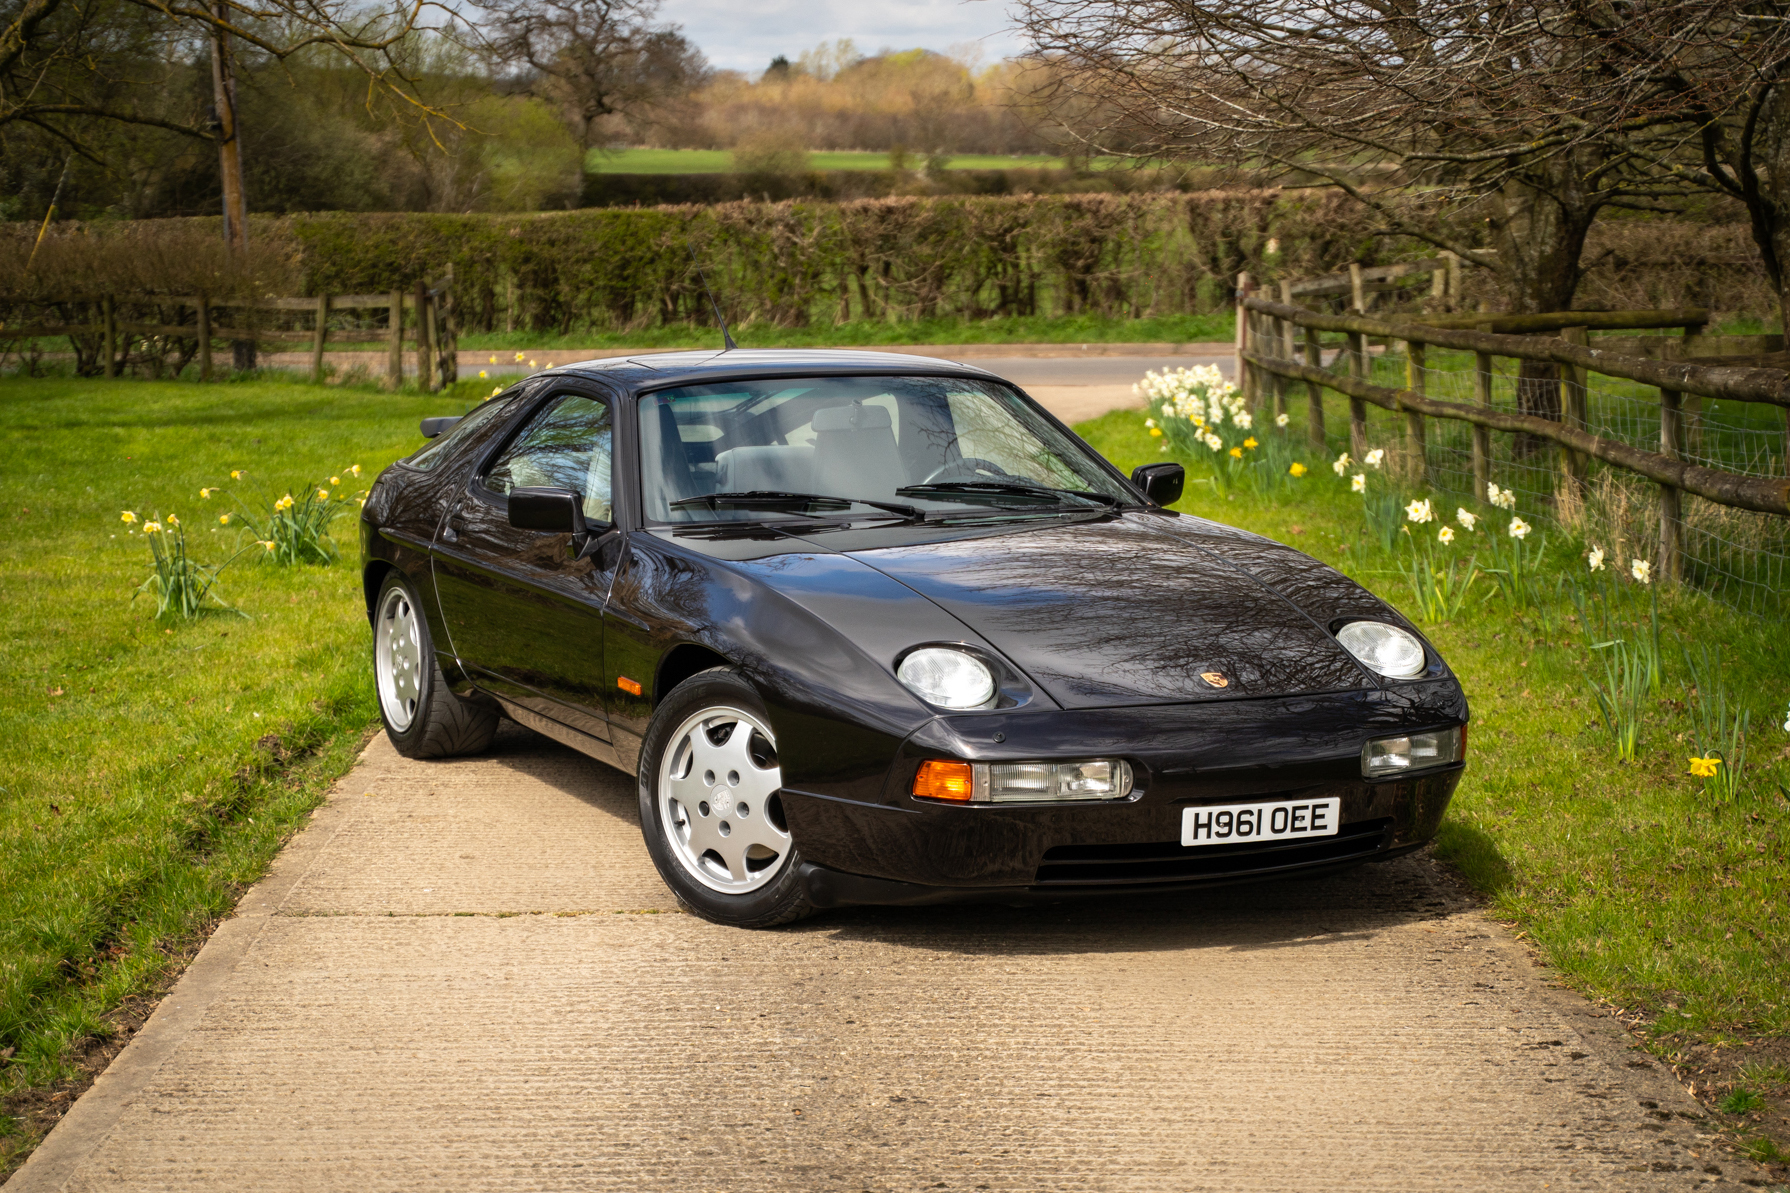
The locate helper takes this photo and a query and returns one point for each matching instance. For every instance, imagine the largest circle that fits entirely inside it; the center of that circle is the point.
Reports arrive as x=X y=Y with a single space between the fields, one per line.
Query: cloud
x=746 y=36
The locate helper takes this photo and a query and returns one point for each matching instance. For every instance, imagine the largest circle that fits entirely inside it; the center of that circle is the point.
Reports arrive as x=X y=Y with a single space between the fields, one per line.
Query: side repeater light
x=1022 y=782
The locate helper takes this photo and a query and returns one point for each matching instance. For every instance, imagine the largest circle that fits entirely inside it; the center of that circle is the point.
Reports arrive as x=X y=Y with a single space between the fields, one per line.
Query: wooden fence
x=1281 y=342
x=432 y=328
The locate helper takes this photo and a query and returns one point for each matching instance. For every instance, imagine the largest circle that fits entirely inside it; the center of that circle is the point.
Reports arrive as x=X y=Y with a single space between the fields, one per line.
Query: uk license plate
x=1232 y=824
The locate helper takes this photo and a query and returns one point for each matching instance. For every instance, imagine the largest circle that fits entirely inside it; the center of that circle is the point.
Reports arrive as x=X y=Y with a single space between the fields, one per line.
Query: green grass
x=1017 y=329
x=720 y=161
x=135 y=800
x=1640 y=889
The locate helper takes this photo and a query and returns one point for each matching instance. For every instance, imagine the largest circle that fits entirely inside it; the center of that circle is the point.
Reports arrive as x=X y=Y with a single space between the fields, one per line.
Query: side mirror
x=557 y=511
x=435 y=426
x=1161 y=483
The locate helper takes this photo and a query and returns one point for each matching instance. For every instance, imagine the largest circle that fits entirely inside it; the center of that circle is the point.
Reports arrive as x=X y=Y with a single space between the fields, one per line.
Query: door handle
x=451 y=532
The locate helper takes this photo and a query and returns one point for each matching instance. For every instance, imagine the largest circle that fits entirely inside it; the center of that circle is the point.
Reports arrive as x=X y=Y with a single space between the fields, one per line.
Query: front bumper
x=902 y=850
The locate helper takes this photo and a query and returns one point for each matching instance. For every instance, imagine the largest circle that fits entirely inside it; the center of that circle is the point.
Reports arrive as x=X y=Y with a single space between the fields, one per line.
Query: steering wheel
x=968 y=468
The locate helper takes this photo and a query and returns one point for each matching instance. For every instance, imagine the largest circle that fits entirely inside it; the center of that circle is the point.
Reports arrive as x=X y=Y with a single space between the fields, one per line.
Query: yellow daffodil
x=236 y=474
x=152 y=528
x=284 y=503
x=127 y=516
x=173 y=521
x=335 y=480
x=1704 y=768
x=1251 y=443
x=519 y=357
x=497 y=391
x=1156 y=432
x=484 y=376
x=1236 y=453
x=268 y=543
x=223 y=519
x=205 y=494
x=493 y=361
x=1297 y=469
x=323 y=495
x=354 y=470
x=531 y=364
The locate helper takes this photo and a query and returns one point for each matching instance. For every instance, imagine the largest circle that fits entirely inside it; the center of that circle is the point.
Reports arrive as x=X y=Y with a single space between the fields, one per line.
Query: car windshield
x=924 y=443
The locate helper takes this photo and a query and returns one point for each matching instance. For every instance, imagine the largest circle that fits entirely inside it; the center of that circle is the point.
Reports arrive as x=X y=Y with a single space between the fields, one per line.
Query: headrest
x=856 y=417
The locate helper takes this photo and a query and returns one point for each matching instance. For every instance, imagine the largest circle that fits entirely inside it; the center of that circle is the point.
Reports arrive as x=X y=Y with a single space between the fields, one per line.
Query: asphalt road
x=467 y=975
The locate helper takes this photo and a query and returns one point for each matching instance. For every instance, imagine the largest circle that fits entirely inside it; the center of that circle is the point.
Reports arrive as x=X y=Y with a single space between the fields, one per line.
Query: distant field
x=720 y=161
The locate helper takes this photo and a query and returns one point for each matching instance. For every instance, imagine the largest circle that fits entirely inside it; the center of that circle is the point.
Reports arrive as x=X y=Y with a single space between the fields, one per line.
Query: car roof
x=661 y=369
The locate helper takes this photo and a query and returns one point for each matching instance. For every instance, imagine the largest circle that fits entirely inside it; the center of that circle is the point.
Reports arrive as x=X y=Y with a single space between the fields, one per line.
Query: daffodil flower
x=1519 y=529
x=1705 y=768
x=127 y=516
x=354 y=470
x=236 y=474
x=1281 y=420
x=1236 y=453
x=1156 y=432
x=284 y=503
x=1642 y=571
x=531 y=364
x=1373 y=458
x=268 y=543
x=1504 y=499
x=1297 y=469
x=335 y=480
x=493 y=361
x=152 y=528
x=223 y=519
x=205 y=494
x=1445 y=535
x=1595 y=560
x=484 y=376
x=497 y=391
x=1242 y=418
x=173 y=521
x=1467 y=518
x=1420 y=511
x=1149 y=422
x=1251 y=443
x=1341 y=464
x=323 y=494
x=1358 y=483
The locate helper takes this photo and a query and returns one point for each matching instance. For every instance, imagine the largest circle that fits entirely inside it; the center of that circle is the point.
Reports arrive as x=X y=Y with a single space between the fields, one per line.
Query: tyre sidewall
x=778 y=901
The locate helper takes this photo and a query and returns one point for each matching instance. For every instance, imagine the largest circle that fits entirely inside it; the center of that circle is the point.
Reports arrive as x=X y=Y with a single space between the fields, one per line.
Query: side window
x=474 y=424
x=566 y=446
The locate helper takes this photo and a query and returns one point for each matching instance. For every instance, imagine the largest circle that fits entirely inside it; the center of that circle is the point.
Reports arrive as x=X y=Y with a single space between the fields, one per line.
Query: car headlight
x=1413 y=751
x=1022 y=782
x=947 y=678
x=1383 y=648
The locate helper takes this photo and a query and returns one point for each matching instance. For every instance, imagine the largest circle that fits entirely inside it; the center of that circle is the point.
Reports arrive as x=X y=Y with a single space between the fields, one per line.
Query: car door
x=524 y=608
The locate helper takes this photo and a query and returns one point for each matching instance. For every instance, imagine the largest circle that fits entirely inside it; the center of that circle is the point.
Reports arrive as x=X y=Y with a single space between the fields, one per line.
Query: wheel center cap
x=721 y=801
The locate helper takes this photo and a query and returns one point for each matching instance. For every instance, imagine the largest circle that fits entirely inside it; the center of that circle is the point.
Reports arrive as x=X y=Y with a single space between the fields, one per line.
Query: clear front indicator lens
x=1023 y=782
x=1415 y=751
x=1383 y=648
x=947 y=678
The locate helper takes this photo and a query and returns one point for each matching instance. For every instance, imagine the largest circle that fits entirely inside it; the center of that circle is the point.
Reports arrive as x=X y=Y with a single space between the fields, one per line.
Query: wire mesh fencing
x=1739 y=557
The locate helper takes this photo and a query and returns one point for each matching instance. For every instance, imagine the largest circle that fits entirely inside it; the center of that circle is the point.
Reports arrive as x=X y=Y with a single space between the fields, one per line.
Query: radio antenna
x=726 y=336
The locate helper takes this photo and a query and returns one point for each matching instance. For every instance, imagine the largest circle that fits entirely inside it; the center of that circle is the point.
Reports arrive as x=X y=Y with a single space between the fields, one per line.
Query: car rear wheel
x=422 y=718
x=710 y=806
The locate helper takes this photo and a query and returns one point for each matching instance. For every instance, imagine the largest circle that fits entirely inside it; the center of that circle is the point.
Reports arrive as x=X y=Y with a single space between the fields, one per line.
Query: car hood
x=1127 y=610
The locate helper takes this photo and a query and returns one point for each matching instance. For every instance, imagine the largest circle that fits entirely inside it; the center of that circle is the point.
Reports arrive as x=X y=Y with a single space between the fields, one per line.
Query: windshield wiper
x=795 y=503
x=990 y=493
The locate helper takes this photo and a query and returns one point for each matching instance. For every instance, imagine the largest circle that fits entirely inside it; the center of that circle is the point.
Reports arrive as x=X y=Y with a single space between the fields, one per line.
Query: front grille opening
x=1170 y=861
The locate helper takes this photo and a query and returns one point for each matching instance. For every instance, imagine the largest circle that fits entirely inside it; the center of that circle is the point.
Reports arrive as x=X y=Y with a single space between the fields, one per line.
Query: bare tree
x=592 y=58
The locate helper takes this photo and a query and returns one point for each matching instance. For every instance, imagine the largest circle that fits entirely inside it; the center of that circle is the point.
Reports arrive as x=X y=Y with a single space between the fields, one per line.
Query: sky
x=745 y=35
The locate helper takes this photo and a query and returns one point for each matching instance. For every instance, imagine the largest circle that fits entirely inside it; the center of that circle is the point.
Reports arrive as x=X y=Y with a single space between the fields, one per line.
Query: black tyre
x=423 y=718
x=710 y=809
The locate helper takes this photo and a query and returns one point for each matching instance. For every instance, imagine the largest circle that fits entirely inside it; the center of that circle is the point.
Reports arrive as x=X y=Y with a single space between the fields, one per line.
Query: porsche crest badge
x=1215 y=679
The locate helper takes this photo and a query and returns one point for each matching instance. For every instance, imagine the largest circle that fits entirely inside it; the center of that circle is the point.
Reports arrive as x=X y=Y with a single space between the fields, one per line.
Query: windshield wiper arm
x=984 y=492
x=798 y=503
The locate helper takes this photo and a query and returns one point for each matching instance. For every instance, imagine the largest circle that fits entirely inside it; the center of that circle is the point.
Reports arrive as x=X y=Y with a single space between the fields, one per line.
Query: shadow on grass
x=1475 y=855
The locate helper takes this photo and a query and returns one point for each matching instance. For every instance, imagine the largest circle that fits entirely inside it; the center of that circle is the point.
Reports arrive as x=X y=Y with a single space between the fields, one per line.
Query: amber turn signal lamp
x=937 y=779
x=629 y=686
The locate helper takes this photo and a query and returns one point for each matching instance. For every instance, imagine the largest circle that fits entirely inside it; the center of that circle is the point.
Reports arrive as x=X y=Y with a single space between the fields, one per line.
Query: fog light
x=1415 y=751
x=1023 y=782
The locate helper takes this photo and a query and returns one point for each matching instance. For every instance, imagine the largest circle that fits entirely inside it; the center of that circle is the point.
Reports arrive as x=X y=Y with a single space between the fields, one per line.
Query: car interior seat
x=855 y=453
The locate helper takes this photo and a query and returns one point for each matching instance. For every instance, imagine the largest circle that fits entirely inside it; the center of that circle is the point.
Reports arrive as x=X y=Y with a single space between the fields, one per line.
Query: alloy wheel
x=398 y=658
x=718 y=801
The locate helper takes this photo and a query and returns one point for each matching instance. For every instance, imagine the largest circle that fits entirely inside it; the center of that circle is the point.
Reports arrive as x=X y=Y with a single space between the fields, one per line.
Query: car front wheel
x=422 y=717
x=710 y=808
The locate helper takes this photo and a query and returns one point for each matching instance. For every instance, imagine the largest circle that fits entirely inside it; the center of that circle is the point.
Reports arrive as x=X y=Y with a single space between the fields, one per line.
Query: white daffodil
x=1358 y=483
x=1519 y=529
x=1467 y=518
x=1595 y=560
x=1445 y=535
x=1642 y=571
x=1420 y=511
x=1373 y=458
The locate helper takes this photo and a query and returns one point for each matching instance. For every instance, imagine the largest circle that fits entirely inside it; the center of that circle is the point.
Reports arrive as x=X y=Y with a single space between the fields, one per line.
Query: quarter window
x=567 y=446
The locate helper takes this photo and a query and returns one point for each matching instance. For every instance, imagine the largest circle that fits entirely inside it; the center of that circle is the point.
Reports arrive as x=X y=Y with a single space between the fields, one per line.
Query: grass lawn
x=720 y=161
x=147 y=776
x=150 y=775
x=1017 y=329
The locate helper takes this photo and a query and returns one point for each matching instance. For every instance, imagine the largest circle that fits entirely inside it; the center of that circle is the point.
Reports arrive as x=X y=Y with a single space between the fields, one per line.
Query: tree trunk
x=1540 y=236
x=1769 y=211
x=236 y=212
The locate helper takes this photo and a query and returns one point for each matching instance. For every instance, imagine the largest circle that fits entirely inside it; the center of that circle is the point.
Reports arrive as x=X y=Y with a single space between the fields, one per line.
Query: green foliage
x=178 y=583
x=1620 y=687
x=293 y=530
x=1742 y=1100
x=1440 y=578
x=1719 y=727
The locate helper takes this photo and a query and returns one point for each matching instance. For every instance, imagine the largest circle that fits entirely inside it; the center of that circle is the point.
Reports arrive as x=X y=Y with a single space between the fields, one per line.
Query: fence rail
x=433 y=329
x=1281 y=342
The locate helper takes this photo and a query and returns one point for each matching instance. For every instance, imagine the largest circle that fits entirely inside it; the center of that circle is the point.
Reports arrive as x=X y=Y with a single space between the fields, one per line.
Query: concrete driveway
x=466 y=975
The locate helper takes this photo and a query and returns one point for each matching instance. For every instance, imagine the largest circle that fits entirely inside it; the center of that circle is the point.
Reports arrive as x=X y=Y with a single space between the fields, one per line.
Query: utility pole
x=236 y=210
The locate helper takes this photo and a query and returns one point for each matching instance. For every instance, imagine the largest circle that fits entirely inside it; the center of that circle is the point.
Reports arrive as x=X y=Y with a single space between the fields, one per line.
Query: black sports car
x=878 y=629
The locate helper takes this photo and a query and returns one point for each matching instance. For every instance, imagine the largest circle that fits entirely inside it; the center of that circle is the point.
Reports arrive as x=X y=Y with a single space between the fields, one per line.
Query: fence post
x=322 y=333
x=1573 y=465
x=447 y=346
x=110 y=316
x=1283 y=348
x=1454 y=279
x=1482 y=436
x=1243 y=345
x=394 y=365
x=1314 y=393
x=204 y=336
x=1416 y=454
x=1671 y=515
x=1357 y=289
x=425 y=359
